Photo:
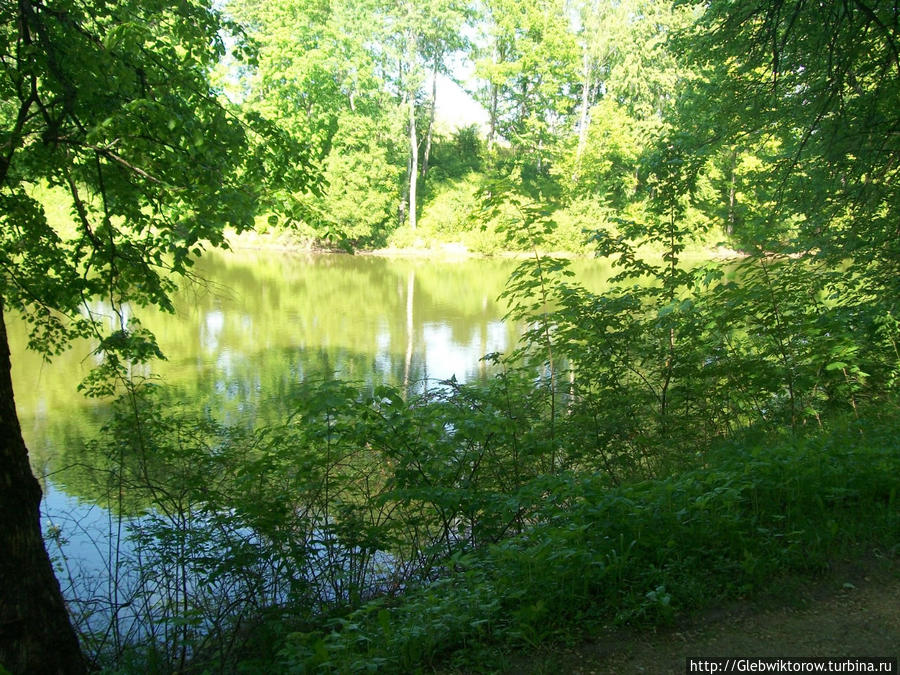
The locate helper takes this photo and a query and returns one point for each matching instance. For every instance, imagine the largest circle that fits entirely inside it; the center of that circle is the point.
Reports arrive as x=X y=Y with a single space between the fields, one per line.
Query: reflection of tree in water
x=410 y=288
x=255 y=390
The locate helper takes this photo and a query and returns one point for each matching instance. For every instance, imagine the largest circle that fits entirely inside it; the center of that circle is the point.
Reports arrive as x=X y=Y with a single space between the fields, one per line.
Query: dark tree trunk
x=729 y=225
x=36 y=637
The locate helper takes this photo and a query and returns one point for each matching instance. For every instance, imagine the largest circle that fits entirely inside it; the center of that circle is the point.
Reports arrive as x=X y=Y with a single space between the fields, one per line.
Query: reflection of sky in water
x=383 y=360
x=267 y=322
x=85 y=535
x=435 y=348
x=224 y=367
x=445 y=357
x=211 y=330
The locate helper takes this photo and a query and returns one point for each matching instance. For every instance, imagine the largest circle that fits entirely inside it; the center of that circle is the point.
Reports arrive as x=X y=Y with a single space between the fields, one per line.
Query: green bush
x=747 y=512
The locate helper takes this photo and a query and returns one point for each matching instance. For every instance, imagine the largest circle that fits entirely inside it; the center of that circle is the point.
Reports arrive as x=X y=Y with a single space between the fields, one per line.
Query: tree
x=802 y=144
x=599 y=43
x=316 y=73
x=310 y=65
x=529 y=67
x=628 y=76
x=418 y=36
x=109 y=104
x=819 y=84
x=496 y=62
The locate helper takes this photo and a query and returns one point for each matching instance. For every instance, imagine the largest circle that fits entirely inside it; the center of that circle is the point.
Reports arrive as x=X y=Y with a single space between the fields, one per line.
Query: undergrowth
x=747 y=511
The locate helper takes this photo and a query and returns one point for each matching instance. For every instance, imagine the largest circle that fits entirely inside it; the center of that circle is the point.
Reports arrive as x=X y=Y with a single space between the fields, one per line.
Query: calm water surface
x=244 y=336
x=259 y=323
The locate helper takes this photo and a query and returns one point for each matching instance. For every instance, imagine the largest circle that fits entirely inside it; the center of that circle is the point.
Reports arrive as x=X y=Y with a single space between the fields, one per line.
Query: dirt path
x=854 y=611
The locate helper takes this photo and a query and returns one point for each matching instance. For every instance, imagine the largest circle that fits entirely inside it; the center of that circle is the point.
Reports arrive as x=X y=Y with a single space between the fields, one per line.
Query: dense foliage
x=572 y=95
x=683 y=436
x=371 y=532
x=142 y=149
x=110 y=104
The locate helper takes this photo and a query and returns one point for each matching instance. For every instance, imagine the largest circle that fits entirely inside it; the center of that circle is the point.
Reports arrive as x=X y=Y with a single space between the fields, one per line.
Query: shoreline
x=287 y=242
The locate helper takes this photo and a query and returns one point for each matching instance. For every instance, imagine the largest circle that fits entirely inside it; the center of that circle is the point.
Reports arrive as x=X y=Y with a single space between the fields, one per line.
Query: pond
x=253 y=325
x=246 y=333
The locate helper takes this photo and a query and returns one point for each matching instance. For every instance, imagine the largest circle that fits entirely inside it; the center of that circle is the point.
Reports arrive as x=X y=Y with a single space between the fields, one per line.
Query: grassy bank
x=438 y=247
x=745 y=513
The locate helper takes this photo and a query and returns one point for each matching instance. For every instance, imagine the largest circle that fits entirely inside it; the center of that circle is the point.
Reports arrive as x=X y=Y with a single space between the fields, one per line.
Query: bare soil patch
x=853 y=611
